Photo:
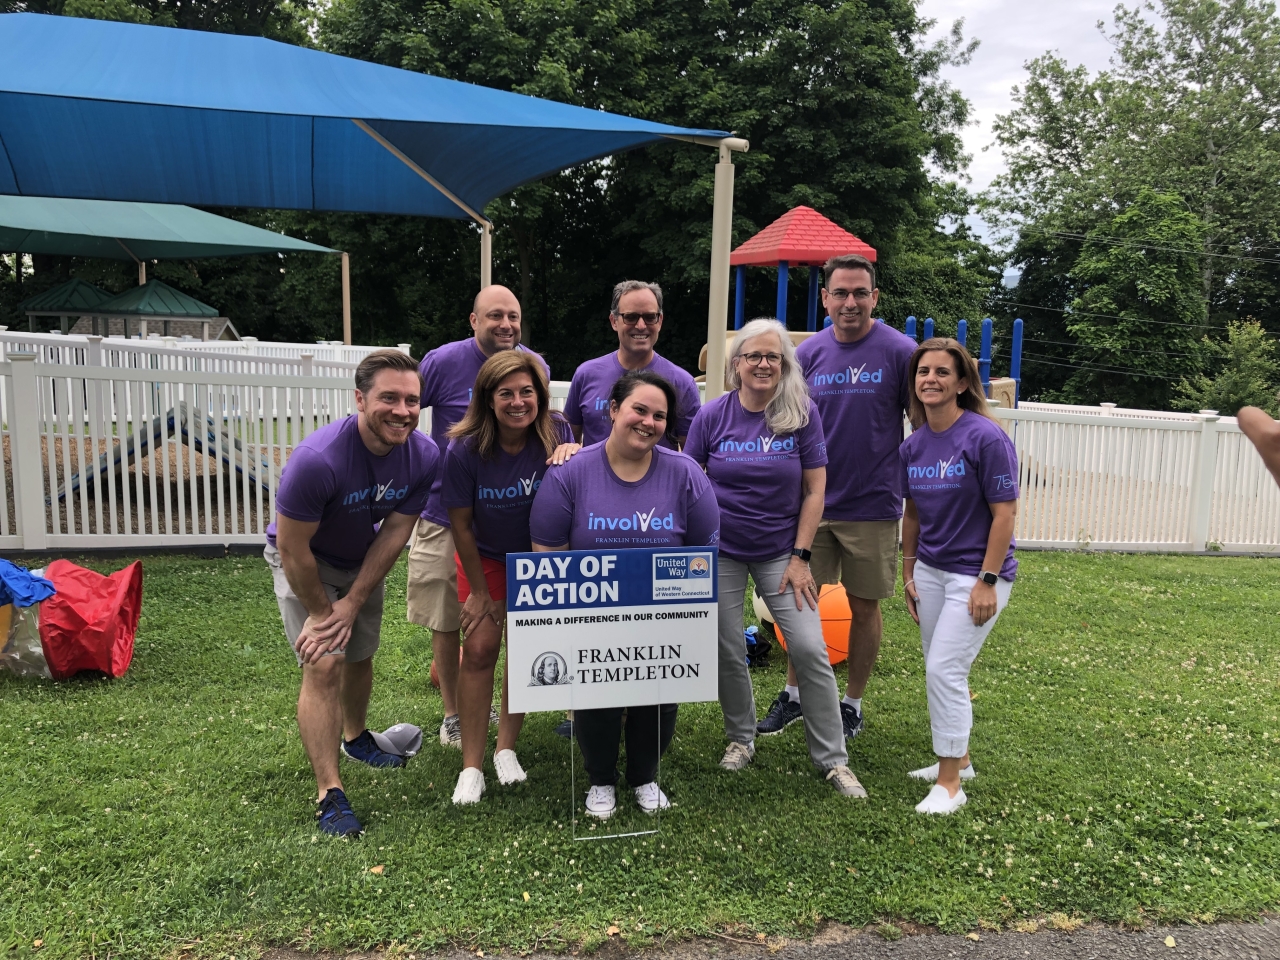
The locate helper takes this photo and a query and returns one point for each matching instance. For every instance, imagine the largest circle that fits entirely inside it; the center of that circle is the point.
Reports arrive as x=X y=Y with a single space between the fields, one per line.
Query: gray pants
x=803 y=630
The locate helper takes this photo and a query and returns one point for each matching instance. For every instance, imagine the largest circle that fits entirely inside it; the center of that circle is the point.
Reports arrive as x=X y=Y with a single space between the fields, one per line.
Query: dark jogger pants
x=649 y=732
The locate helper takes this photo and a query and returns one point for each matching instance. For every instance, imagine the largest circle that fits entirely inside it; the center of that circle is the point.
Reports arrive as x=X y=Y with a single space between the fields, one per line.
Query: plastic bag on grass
x=20 y=593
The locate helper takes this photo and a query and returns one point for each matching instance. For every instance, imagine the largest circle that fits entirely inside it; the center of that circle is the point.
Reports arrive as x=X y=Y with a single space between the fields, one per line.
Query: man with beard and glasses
x=348 y=499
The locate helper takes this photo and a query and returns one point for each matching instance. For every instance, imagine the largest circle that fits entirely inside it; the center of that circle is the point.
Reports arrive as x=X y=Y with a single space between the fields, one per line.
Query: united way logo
x=549 y=670
x=682 y=576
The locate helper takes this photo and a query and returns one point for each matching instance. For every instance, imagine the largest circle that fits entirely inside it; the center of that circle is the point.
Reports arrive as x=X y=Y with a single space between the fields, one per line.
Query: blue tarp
x=21 y=587
x=118 y=111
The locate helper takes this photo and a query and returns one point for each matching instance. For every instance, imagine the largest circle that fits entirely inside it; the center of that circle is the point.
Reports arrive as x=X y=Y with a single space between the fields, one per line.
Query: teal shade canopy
x=116 y=230
x=73 y=298
x=155 y=299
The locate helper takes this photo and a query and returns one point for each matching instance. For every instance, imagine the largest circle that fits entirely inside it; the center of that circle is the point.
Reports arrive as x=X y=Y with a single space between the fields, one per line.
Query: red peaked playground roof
x=803 y=237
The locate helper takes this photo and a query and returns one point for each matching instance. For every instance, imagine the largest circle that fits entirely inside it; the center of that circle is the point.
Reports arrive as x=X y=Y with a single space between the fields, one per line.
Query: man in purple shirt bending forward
x=857 y=374
x=347 y=502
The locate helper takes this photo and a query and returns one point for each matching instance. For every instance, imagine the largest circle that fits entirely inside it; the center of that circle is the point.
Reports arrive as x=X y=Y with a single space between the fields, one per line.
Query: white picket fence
x=1123 y=481
x=139 y=451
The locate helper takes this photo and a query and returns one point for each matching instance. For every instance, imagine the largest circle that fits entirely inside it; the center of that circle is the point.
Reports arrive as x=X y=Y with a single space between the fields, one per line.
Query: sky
x=1011 y=33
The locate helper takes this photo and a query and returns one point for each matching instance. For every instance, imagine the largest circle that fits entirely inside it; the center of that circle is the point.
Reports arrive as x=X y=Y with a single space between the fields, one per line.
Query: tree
x=1190 y=108
x=841 y=102
x=1139 y=317
x=1247 y=373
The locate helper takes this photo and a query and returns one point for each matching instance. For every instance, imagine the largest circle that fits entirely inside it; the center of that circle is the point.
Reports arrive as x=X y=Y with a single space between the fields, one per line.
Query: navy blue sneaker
x=782 y=714
x=335 y=816
x=365 y=749
x=851 y=720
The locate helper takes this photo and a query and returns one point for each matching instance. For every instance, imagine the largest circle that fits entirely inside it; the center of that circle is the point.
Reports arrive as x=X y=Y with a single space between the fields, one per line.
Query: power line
x=1073 y=366
x=1118 y=242
x=1110 y=316
x=1087 y=346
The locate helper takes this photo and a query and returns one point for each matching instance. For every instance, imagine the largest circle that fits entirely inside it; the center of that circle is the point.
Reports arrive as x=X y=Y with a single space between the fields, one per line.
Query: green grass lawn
x=1126 y=742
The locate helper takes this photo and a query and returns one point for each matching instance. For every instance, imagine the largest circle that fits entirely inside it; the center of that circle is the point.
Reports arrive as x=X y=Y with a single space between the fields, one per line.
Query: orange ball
x=435 y=677
x=833 y=607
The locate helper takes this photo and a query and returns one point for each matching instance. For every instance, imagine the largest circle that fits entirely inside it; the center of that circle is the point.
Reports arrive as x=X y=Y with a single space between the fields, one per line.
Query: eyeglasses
x=862 y=293
x=631 y=319
x=753 y=358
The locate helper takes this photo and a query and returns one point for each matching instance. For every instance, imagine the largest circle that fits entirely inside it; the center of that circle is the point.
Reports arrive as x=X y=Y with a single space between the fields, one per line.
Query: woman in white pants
x=763 y=449
x=960 y=476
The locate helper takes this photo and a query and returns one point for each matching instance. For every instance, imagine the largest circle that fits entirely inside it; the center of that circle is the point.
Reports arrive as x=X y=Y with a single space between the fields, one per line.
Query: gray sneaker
x=845 y=782
x=451 y=732
x=737 y=756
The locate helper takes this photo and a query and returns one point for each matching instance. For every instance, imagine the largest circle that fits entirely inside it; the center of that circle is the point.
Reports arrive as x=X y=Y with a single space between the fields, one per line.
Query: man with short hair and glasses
x=636 y=316
x=448 y=376
x=857 y=374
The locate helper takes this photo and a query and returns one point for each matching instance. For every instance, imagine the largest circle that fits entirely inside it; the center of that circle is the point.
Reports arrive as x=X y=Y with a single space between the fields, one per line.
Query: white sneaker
x=845 y=782
x=451 y=732
x=737 y=755
x=651 y=798
x=931 y=773
x=941 y=802
x=602 y=802
x=470 y=786
x=508 y=767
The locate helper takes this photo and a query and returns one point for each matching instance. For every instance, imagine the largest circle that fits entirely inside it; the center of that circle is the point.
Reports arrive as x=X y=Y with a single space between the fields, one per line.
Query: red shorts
x=495 y=577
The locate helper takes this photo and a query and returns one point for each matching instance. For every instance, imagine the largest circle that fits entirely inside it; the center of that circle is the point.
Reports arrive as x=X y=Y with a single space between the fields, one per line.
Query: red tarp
x=89 y=624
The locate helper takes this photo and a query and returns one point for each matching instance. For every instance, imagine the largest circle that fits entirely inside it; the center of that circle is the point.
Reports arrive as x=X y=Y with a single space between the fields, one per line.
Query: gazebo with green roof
x=75 y=298
x=156 y=301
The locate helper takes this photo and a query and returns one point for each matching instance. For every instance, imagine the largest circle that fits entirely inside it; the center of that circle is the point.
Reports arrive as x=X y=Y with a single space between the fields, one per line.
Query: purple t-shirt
x=448 y=377
x=334 y=478
x=587 y=405
x=861 y=390
x=585 y=505
x=952 y=476
x=756 y=476
x=499 y=491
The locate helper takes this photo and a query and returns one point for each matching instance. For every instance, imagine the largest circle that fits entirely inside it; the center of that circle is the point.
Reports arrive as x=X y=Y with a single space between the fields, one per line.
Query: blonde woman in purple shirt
x=960 y=475
x=762 y=447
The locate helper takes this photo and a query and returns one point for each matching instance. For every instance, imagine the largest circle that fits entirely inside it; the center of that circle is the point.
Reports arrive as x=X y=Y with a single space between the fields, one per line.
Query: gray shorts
x=365 y=632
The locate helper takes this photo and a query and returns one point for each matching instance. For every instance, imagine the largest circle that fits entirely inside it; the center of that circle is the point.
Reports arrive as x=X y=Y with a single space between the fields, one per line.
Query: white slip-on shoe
x=843 y=779
x=941 y=802
x=508 y=767
x=470 y=786
x=737 y=755
x=602 y=802
x=931 y=773
x=651 y=798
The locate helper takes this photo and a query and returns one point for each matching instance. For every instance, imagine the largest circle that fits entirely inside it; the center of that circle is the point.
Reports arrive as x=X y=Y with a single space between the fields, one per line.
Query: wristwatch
x=989 y=578
x=802 y=554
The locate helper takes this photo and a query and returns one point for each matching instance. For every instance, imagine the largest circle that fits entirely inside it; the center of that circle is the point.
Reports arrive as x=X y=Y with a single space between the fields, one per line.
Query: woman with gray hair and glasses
x=762 y=447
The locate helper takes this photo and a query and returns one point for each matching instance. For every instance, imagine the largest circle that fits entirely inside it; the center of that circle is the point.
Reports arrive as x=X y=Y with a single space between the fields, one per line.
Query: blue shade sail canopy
x=116 y=111
x=116 y=230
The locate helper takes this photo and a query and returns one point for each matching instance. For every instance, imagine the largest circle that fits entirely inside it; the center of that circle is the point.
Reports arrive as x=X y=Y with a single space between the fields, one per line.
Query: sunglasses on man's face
x=631 y=319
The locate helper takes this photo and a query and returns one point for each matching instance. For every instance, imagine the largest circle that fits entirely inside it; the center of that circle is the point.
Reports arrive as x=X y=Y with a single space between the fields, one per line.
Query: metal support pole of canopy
x=346 y=300
x=721 y=241
x=486 y=254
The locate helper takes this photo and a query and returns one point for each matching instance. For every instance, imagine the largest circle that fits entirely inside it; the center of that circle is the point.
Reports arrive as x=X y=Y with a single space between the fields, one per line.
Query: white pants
x=951 y=643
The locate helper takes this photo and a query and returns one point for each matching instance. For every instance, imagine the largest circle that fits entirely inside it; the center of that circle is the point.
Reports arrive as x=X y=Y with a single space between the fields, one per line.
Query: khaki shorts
x=861 y=554
x=433 y=579
x=365 y=632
